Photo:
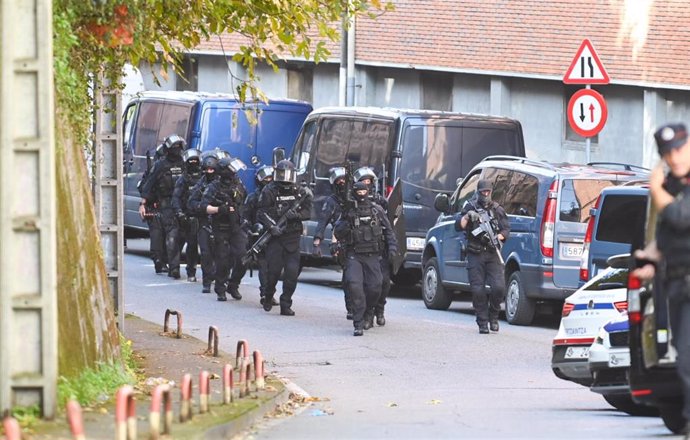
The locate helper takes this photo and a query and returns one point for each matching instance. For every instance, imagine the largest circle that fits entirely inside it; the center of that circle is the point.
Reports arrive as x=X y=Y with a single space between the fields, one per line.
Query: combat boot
x=160 y=266
x=174 y=273
x=380 y=319
x=222 y=297
x=267 y=304
x=493 y=325
x=368 y=320
x=234 y=292
x=206 y=288
x=483 y=329
x=358 y=332
x=286 y=311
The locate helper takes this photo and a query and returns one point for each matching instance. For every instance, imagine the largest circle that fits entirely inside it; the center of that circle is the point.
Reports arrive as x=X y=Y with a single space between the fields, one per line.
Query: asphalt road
x=426 y=374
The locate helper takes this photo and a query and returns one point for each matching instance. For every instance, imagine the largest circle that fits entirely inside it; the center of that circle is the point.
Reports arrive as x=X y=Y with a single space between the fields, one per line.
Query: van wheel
x=436 y=297
x=673 y=418
x=406 y=277
x=519 y=309
x=624 y=402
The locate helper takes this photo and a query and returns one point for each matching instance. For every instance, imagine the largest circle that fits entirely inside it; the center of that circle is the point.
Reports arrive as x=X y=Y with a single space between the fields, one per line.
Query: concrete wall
x=326 y=85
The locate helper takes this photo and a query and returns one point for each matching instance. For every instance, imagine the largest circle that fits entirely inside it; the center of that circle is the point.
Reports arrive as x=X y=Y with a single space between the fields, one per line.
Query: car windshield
x=578 y=196
x=612 y=279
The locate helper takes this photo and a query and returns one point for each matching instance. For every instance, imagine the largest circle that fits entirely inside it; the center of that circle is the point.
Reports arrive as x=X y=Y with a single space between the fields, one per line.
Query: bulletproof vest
x=477 y=244
x=285 y=199
x=367 y=231
x=191 y=180
x=227 y=193
x=166 y=183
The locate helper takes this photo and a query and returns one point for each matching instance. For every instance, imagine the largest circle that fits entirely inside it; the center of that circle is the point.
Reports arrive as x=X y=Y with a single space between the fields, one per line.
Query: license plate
x=571 y=251
x=619 y=360
x=577 y=353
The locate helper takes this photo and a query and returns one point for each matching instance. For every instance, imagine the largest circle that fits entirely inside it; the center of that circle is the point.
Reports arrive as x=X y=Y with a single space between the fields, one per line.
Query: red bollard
x=161 y=396
x=213 y=340
x=169 y=312
x=125 y=414
x=12 y=429
x=259 y=370
x=204 y=391
x=75 y=420
x=228 y=384
x=186 y=398
x=245 y=376
x=242 y=352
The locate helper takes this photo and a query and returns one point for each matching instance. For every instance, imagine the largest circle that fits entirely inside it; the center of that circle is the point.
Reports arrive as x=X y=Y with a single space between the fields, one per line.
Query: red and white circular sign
x=587 y=112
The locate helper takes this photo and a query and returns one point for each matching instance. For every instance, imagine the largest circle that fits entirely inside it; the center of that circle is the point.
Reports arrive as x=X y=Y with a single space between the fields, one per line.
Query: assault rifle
x=260 y=244
x=485 y=231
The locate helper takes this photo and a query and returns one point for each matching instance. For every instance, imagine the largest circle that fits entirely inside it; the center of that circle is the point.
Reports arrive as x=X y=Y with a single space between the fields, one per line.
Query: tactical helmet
x=364 y=173
x=284 y=172
x=209 y=162
x=160 y=151
x=337 y=173
x=174 y=144
x=191 y=159
x=228 y=167
x=360 y=186
x=263 y=173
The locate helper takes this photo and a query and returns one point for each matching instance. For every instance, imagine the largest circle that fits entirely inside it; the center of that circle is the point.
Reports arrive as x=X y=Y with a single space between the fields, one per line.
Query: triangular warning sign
x=586 y=68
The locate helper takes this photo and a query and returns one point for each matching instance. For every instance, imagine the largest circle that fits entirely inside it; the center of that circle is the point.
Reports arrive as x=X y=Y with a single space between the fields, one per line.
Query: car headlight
x=415 y=243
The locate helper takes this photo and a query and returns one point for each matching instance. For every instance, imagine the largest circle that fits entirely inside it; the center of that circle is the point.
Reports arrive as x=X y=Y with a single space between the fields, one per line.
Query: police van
x=428 y=151
x=206 y=121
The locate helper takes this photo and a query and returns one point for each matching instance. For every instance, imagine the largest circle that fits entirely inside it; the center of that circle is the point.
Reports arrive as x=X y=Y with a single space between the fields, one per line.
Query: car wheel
x=405 y=277
x=624 y=402
x=673 y=418
x=436 y=297
x=519 y=309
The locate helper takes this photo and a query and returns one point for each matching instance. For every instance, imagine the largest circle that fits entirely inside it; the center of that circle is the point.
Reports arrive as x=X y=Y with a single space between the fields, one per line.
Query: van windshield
x=436 y=154
x=227 y=129
x=578 y=197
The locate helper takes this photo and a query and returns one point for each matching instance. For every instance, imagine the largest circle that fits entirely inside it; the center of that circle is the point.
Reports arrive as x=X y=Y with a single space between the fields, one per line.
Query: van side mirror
x=441 y=203
x=620 y=261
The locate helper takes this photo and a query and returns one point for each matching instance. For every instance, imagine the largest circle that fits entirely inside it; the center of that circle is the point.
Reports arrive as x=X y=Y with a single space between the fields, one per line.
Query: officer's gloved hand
x=473 y=216
x=257 y=229
x=317 y=248
x=181 y=218
x=275 y=231
x=292 y=214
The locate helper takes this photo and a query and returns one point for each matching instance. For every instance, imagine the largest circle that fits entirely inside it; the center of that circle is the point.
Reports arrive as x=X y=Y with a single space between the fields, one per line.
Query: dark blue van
x=206 y=121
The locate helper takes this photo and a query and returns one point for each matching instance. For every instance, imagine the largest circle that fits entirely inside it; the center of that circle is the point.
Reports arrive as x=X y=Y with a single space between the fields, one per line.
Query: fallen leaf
x=434 y=402
x=392 y=404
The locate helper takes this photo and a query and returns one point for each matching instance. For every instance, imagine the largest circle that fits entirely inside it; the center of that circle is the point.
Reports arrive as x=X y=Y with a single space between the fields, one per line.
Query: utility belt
x=477 y=248
x=673 y=272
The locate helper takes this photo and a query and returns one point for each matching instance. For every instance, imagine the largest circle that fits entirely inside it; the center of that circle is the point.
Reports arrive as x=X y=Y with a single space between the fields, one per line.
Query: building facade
x=497 y=57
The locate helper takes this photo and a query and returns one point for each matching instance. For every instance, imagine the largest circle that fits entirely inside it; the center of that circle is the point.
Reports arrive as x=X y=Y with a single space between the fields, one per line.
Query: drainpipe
x=342 y=84
x=351 y=63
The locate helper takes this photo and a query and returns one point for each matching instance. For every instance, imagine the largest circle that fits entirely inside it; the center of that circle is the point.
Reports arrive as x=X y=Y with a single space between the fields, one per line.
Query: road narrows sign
x=587 y=112
x=586 y=67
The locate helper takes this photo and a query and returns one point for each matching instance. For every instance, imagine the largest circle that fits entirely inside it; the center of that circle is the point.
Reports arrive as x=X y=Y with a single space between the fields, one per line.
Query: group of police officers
x=198 y=198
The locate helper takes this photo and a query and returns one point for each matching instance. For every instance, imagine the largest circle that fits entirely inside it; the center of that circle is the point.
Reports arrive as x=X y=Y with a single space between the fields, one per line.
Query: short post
x=204 y=391
x=75 y=419
x=245 y=373
x=228 y=384
x=12 y=429
x=242 y=352
x=186 y=398
x=213 y=340
x=177 y=314
x=125 y=414
x=259 y=370
x=161 y=397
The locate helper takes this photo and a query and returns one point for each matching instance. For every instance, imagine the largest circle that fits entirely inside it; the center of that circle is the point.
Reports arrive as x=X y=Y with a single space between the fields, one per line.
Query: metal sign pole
x=588 y=141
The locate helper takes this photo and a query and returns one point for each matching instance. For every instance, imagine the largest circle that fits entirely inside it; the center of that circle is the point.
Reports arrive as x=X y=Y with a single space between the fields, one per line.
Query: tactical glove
x=276 y=231
x=291 y=214
x=181 y=218
x=317 y=251
x=473 y=216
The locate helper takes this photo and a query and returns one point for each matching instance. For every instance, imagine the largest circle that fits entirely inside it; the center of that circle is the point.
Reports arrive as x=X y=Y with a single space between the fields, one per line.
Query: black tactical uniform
x=226 y=193
x=209 y=162
x=673 y=242
x=152 y=217
x=368 y=176
x=330 y=213
x=250 y=228
x=188 y=224
x=484 y=266
x=159 y=187
x=276 y=200
x=361 y=229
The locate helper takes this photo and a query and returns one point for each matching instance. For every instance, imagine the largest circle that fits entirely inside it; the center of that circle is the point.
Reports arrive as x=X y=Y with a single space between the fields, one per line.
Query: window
x=617 y=218
x=578 y=196
x=190 y=75
x=227 y=129
x=303 y=148
x=521 y=195
x=175 y=120
x=431 y=156
x=300 y=84
x=437 y=91
x=333 y=142
x=478 y=143
x=613 y=279
x=501 y=183
x=371 y=141
x=570 y=134
x=127 y=130
x=465 y=192
x=146 y=135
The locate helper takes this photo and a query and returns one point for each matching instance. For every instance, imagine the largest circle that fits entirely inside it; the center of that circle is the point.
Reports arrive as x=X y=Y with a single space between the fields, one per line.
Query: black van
x=427 y=150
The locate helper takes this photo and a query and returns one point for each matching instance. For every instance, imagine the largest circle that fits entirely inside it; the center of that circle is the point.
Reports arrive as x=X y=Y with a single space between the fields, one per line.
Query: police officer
x=484 y=264
x=250 y=226
x=188 y=225
x=283 y=197
x=222 y=201
x=670 y=194
x=367 y=176
x=159 y=187
x=361 y=229
x=152 y=216
x=209 y=162
x=330 y=213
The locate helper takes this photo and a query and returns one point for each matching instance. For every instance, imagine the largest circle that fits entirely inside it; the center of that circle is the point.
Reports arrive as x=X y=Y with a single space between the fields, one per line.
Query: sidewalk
x=165 y=359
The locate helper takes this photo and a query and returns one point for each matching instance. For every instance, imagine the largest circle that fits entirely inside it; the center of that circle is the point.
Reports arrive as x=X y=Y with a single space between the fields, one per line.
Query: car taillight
x=548 y=220
x=621 y=306
x=584 y=262
x=567 y=308
x=389 y=190
x=634 y=306
x=634 y=282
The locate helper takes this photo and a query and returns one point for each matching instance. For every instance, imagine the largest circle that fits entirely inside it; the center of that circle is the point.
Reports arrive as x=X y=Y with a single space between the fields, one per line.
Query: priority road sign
x=586 y=67
x=587 y=112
